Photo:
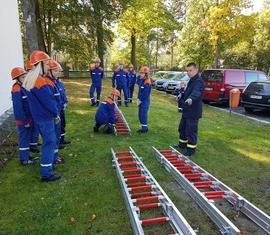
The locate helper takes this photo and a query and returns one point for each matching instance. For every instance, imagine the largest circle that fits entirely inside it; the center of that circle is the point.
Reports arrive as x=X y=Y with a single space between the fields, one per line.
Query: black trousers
x=188 y=132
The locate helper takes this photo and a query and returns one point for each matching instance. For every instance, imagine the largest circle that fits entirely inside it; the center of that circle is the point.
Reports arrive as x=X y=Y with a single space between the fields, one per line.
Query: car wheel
x=248 y=110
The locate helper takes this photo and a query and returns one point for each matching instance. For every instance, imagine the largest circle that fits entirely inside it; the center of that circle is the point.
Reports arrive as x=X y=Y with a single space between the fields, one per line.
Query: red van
x=219 y=82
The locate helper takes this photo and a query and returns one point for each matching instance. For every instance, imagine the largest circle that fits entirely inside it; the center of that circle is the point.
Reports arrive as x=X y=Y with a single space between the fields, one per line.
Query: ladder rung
x=148 y=206
x=136 y=178
x=137 y=184
x=214 y=193
x=165 y=151
x=124 y=158
x=203 y=183
x=155 y=220
x=120 y=153
x=193 y=174
x=131 y=176
x=132 y=170
x=146 y=199
x=138 y=188
x=135 y=195
x=128 y=163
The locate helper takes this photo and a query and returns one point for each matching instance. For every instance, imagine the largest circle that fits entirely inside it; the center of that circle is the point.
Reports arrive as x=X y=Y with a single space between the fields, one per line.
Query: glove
x=188 y=101
x=65 y=105
x=27 y=125
x=138 y=102
x=57 y=120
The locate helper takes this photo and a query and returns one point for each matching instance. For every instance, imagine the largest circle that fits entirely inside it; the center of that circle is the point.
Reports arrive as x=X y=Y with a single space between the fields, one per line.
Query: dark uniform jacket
x=194 y=91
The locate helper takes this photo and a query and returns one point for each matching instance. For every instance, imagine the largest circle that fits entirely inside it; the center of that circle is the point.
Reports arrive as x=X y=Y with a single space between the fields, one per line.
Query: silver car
x=161 y=84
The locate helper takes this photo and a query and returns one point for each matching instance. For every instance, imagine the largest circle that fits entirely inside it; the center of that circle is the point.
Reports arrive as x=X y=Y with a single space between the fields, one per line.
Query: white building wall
x=11 y=54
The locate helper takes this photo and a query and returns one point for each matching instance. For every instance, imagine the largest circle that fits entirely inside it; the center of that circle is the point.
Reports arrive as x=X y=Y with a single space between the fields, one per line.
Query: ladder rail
x=223 y=223
x=239 y=202
x=135 y=223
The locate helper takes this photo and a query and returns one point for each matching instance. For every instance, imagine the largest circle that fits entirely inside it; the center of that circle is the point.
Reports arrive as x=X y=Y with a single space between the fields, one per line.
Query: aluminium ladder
x=121 y=127
x=204 y=188
x=142 y=192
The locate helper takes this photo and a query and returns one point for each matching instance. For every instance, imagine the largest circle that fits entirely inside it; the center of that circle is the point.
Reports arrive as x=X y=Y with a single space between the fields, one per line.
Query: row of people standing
x=39 y=103
x=122 y=81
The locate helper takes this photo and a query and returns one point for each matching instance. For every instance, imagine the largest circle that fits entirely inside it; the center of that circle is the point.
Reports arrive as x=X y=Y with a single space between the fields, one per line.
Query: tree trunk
x=29 y=16
x=100 y=43
x=41 y=41
x=133 y=49
x=216 y=62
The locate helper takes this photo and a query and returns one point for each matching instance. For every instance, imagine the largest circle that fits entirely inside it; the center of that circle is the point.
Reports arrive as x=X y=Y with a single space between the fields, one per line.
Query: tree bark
x=29 y=16
x=133 y=48
x=100 y=43
x=41 y=41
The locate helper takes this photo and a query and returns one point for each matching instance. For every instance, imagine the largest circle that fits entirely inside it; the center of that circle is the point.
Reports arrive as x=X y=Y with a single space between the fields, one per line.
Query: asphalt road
x=263 y=116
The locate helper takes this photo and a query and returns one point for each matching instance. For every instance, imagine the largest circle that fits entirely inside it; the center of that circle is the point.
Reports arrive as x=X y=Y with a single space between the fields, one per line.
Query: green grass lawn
x=88 y=200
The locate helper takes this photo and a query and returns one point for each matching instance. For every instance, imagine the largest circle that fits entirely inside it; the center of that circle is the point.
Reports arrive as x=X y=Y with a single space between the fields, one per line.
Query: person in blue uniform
x=131 y=81
x=97 y=74
x=192 y=111
x=43 y=106
x=120 y=81
x=22 y=115
x=105 y=114
x=54 y=68
x=143 y=101
x=35 y=133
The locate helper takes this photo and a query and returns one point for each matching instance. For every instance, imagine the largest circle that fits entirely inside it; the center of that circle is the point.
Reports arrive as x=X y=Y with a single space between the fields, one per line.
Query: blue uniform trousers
x=143 y=114
x=125 y=90
x=94 y=87
x=47 y=132
x=188 y=130
x=24 y=142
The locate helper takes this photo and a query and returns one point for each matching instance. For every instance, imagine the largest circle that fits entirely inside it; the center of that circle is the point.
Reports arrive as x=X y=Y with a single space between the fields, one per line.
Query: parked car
x=161 y=84
x=173 y=84
x=219 y=82
x=256 y=96
x=158 y=75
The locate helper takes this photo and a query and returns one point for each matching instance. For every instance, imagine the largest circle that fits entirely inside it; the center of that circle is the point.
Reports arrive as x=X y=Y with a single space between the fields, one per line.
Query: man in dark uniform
x=192 y=111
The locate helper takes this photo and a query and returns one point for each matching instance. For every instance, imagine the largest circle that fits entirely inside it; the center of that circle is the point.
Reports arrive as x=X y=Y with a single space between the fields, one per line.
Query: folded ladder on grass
x=205 y=189
x=142 y=192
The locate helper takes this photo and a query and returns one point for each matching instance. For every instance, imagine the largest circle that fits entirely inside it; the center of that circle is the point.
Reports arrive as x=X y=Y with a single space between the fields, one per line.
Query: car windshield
x=212 y=76
x=169 y=76
x=159 y=75
x=179 y=77
x=258 y=87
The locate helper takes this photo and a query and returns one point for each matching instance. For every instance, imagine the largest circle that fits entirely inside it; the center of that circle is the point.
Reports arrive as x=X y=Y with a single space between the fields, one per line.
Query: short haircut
x=192 y=65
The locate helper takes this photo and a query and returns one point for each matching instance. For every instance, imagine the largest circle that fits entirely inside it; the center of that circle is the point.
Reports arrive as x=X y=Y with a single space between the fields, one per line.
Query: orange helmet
x=121 y=62
x=130 y=66
x=38 y=56
x=115 y=92
x=97 y=60
x=28 y=65
x=17 y=72
x=144 y=69
x=54 y=65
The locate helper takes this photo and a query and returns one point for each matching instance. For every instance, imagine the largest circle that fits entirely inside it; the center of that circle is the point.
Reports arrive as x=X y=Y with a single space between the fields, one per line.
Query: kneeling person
x=105 y=114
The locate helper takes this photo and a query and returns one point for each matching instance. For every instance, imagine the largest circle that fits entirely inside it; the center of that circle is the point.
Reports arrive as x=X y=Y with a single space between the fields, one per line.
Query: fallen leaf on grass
x=72 y=219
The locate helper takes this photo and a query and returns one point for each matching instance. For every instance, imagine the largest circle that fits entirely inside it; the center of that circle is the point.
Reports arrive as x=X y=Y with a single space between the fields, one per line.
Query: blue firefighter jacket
x=131 y=78
x=63 y=96
x=97 y=74
x=42 y=101
x=105 y=113
x=20 y=105
x=57 y=94
x=120 y=77
x=144 y=90
x=194 y=91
